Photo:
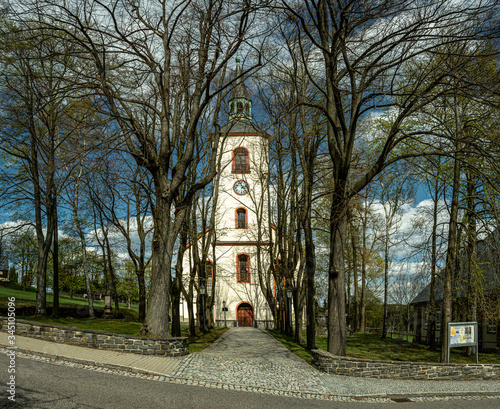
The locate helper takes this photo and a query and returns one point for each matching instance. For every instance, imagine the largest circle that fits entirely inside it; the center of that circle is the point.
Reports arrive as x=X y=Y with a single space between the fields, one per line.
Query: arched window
x=241 y=218
x=241 y=160
x=243 y=268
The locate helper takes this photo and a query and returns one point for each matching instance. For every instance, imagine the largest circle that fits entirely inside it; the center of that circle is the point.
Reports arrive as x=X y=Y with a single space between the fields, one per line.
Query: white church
x=241 y=221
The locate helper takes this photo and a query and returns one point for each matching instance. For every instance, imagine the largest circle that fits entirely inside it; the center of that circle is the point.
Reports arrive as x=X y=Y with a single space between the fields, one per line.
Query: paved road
x=42 y=385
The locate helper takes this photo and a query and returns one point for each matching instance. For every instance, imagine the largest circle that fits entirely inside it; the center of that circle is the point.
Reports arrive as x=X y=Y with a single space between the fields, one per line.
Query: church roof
x=240 y=89
x=240 y=126
x=488 y=260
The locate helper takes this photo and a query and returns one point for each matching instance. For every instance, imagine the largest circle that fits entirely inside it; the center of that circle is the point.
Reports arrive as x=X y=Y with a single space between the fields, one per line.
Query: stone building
x=487 y=283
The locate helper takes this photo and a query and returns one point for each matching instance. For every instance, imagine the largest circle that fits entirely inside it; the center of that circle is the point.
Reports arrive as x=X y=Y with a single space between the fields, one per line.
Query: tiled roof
x=488 y=257
x=241 y=126
x=239 y=90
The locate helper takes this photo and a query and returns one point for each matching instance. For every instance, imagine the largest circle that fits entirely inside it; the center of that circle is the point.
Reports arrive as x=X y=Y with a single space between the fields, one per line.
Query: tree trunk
x=450 y=262
x=176 y=308
x=362 y=312
x=44 y=242
x=55 y=286
x=357 y=324
x=336 y=279
x=83 y=245
x=112 y=278
x=474 y=281
x=41 y=281
x=386 y=281
x=141 y=281
x=298 y=303
x=157 y=322
x=191 y=318
x=310 y=270
x=431 y=327
x=177 y=283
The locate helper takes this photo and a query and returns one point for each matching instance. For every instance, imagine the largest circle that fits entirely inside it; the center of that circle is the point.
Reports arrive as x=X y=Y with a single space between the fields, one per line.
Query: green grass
x=369 y=346
x=28 y=298
x=127 y=326
x=116 y=326
x=197 y=343
x=202 y=339
x=298 y=349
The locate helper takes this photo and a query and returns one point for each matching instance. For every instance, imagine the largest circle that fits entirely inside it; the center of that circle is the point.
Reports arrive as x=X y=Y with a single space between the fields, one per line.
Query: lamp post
x=289 y=296
x=224 y=309
x=202 y=292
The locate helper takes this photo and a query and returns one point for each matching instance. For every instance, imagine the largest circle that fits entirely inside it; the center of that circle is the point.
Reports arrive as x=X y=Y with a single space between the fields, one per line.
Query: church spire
x=240 y=103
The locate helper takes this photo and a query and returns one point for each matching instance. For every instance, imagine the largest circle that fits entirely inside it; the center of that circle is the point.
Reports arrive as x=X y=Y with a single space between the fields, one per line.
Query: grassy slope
x=28 y=298
x=118 y=326
x=373 y=347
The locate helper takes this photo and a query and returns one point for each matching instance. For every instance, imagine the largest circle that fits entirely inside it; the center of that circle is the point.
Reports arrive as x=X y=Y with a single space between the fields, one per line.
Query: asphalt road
x=44 y=385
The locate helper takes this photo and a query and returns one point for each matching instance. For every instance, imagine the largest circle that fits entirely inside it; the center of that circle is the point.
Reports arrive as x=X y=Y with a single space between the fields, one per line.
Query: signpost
x=462 y=334
x=224 y=309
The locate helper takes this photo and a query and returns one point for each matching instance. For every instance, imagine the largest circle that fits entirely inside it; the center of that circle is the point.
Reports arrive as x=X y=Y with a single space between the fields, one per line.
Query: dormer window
x=241 y=160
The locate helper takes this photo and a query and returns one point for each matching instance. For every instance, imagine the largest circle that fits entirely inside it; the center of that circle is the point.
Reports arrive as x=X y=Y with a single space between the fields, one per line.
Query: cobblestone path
x=250 y=357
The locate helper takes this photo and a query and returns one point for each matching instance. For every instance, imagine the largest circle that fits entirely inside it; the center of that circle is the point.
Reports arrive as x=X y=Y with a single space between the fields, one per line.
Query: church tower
x=242 y=220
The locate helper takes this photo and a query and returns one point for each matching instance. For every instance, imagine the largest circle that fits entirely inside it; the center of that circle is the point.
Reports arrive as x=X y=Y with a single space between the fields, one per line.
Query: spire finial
x=240 y=103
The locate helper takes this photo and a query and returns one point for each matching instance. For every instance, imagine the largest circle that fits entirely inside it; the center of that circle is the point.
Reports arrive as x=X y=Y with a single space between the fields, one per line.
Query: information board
x=462 y=334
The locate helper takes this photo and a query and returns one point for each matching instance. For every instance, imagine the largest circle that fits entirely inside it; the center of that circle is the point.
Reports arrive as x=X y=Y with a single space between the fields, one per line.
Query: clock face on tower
x=241 y=187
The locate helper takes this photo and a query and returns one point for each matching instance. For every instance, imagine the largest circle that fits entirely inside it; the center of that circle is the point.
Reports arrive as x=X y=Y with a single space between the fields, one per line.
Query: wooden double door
x=245 y=315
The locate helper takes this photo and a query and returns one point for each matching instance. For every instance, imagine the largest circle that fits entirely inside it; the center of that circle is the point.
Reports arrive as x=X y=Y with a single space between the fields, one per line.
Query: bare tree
x=362 y=47
x=120 y=198
x=157 y=66
x=38 y=110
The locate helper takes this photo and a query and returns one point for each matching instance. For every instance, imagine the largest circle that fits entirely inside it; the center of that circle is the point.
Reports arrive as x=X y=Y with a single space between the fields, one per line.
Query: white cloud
x=117 y=240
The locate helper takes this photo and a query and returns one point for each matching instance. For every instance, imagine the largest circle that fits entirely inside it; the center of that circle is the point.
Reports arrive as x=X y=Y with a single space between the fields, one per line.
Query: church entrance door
x=245 y=315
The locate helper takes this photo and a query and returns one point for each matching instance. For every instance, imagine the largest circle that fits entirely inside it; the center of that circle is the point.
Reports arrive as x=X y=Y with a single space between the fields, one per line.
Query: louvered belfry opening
x=240 y=160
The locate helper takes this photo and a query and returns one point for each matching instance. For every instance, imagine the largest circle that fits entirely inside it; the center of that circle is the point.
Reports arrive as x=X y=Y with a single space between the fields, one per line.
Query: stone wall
x=101 y=340
x=371 y=368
